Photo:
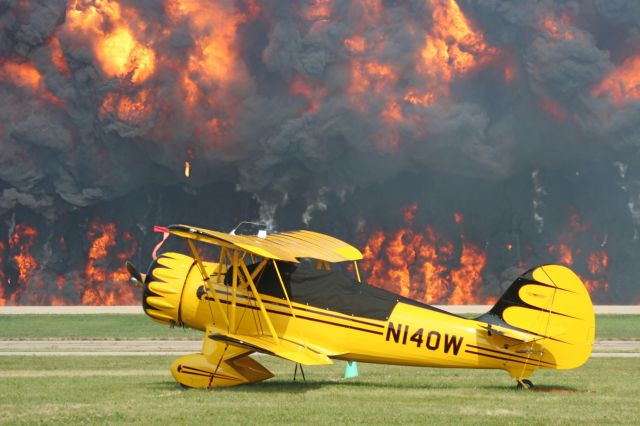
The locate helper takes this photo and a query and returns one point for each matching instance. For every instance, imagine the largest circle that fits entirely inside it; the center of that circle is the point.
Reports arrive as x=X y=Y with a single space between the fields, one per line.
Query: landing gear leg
x=295 y=372
x=521 y=375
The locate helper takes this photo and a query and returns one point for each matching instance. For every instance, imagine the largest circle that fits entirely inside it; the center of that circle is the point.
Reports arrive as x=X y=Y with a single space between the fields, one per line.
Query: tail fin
x=551 y=302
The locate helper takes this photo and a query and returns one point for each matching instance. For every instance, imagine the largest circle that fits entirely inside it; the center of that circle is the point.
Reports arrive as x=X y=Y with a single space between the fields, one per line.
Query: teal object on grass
x=351 y=370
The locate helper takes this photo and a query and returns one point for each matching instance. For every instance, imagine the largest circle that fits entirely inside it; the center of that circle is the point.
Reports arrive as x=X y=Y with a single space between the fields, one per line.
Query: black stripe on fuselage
x=289 y=314
x=531 y=362
x=508 y=354
x=185 y=369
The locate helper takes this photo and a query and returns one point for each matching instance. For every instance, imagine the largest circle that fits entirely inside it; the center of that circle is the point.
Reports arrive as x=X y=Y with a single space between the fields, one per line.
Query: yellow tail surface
x=552 y=304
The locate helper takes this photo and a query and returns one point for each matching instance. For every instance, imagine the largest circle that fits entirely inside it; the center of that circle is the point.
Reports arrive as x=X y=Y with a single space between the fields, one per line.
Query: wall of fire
x=458 y=143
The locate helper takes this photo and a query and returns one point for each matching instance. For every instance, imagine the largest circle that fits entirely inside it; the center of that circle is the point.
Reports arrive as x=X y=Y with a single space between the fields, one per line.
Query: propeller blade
x=135 y=275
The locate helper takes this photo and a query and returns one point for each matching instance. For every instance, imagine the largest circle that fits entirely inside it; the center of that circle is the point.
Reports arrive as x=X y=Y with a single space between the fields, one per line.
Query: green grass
x=618 y=327
x=90 y=326
x=140 y=390
x=138 y=326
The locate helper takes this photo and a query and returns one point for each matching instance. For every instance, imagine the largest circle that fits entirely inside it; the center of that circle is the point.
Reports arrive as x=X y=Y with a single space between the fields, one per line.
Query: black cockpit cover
x=331 y=290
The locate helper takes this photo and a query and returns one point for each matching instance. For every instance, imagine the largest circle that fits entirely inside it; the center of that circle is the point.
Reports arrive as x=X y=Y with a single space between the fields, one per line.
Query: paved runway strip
x=606 y=348
x=454 y=309
x=98 y=347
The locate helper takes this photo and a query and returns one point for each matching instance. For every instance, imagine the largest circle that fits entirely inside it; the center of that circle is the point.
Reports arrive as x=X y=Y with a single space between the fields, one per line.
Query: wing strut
x=293 y=314
x=240 y=263
x=355 y=266
x=234 y=290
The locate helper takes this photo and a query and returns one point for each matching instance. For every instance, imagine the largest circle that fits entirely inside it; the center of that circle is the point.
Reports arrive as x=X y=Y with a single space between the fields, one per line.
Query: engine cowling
x=164 y=288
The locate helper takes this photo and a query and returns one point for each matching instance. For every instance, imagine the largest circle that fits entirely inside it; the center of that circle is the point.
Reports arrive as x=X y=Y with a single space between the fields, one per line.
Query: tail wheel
x=524 y=384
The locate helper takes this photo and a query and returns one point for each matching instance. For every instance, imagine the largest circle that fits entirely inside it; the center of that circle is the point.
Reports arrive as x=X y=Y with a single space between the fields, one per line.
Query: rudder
x=551 y=303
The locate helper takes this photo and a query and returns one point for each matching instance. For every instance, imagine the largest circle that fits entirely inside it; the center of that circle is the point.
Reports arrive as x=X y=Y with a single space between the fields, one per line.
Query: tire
x=525 y=384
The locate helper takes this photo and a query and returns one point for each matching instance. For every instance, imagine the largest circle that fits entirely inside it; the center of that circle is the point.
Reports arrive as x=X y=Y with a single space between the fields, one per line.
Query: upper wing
x=286 y=246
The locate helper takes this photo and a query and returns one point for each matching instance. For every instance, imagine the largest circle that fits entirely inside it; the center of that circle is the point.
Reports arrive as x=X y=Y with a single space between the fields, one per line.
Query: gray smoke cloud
x=275 y=146
x=325 y=111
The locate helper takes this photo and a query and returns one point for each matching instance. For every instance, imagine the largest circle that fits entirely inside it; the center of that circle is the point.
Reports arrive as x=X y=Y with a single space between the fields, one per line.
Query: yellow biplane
x=278 y=294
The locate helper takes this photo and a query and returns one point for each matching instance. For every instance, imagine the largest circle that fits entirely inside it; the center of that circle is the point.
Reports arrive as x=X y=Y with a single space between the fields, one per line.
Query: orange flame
x=216 y=59
x=57 y=301
x=409 y=213
x=111 y=30
x=355 y=44
x=416 y=99
x=214 y=65
x=312 y=94
x=596 y=262
x=60 y=282
x=57 y=57
x=553 y=108
x=187 y=168
x=26 y=76
x=468 y=277
x=565 y=255
x=105 y=286
x=129 y=109
x=365 y=71
x=21 y=74
x=559 y=29
x=417 y=265
x=576 y=223
x=318 y=9
x=370 y=76
x=453 y=47
x=509 y=73
x=317 y=13
x=22 y=239
x=623 y=83
x=3 y=301
x=434 y=272
x=121 y=54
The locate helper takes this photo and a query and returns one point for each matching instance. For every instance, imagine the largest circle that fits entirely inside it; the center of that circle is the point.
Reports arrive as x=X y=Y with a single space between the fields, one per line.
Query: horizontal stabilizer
x=511 y=333
x=286 y=349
